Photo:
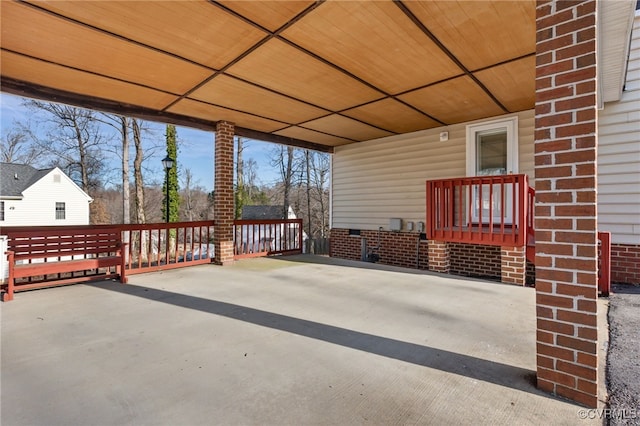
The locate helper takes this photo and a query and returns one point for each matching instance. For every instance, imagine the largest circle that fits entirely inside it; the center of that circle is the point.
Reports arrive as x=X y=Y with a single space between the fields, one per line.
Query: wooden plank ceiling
x=314 y=74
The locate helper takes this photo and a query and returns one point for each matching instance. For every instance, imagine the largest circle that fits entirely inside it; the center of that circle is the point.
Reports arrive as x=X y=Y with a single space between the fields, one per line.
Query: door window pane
x=491 y=150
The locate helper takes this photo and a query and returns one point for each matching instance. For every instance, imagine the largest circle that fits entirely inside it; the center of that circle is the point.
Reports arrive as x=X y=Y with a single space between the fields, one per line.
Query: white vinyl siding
x=38 y=205
x=619 y=156
x=385 y=178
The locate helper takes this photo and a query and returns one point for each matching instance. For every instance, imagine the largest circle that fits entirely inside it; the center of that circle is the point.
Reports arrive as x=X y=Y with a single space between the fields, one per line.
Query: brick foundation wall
x=399 y=249
x=471 y=260
x=625 y=264
x=343 y=245
x=396 y=248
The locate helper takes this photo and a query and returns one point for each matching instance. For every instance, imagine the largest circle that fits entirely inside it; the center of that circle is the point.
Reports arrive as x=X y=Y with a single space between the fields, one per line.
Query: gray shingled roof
x=15 y=178
x=262 y=212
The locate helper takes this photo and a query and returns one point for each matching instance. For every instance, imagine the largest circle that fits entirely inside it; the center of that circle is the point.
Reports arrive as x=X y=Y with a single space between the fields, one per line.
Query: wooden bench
x=64 y=252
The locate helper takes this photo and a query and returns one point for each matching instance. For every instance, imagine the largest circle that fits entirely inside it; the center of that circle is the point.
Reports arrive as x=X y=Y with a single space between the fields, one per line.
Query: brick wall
x=566 y=199
x=472 y=260
x=467 y=260
x=396 y=248
x=625 y=264
x=399 y=249
x=223 y=198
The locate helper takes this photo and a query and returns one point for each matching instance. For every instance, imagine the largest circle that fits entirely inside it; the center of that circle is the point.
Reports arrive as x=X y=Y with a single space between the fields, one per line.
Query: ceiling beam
x=282 y=140
x=30 y=90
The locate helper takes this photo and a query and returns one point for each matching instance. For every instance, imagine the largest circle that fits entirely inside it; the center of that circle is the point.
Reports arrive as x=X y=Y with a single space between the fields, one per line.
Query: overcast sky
x=195 y=149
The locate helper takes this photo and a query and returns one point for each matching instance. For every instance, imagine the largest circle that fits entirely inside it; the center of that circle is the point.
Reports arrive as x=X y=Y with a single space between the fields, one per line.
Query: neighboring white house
x=40 y=197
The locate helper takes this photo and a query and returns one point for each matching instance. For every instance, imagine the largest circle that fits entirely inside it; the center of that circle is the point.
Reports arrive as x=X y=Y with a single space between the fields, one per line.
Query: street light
x=167 y=163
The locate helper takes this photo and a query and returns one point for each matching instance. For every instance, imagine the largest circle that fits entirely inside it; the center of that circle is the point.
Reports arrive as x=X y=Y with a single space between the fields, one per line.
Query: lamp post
x=167 y=163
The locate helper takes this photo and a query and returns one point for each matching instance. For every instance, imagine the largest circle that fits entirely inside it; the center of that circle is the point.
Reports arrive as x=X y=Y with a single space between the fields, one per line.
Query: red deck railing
x=490 y=210
x=255 y=238
x=160 y=246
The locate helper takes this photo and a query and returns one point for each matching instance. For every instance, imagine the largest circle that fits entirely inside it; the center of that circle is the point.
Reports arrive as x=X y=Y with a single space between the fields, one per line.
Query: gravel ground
x=623 y=362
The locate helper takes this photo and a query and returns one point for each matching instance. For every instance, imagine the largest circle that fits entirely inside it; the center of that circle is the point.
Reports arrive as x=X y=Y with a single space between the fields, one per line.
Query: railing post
x=431 y=206
x=523 y=194
x=123 y=269
x=300 y=244
x=604 y=276
x=8 y=296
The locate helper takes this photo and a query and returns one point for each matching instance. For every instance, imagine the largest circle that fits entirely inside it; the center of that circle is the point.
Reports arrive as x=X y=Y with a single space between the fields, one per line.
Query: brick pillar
x=513 y=263
x=565 y=210
x=438 y=256
x=223 y=199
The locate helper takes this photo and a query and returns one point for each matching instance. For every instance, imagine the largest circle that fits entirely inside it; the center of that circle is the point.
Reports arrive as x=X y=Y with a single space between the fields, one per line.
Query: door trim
x=511 y=126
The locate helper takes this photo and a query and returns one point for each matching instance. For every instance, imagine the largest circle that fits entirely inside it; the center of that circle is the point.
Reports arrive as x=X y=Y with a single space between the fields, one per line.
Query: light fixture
x=167 y=163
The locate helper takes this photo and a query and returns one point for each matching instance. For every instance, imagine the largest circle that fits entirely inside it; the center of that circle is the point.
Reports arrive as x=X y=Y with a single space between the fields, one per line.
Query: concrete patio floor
x=277 y=341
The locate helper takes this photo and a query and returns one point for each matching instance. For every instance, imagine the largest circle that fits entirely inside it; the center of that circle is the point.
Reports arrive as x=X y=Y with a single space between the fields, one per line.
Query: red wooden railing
x=604 y=269
x=531 y=232
x=490 y=210
x=255 y=238
x=160 y=246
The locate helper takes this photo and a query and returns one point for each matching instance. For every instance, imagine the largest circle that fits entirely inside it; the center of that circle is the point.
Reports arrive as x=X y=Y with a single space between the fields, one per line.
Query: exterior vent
x=56 y=178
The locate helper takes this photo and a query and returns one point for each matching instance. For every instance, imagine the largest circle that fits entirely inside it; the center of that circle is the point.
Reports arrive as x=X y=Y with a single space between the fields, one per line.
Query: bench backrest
x=67 y=243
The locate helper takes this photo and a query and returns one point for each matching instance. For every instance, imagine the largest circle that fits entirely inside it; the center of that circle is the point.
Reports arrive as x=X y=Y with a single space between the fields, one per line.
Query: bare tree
x=240 y=196
x=16 y=147
x=74 y=138
x=120 y=125
x=307 y=157
x=250 y=173
x=188 y=203
x=137 y=172
x=283 y=158
x=129 y=128
x=126 y=189
x=320 y=172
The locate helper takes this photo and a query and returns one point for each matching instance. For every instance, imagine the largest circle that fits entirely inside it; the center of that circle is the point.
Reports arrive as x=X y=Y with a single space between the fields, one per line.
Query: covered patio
x=333 y=75
x=290 y=340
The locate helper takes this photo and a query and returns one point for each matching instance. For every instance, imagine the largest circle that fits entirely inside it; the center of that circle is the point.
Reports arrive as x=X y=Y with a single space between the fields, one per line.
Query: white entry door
x=492 y=149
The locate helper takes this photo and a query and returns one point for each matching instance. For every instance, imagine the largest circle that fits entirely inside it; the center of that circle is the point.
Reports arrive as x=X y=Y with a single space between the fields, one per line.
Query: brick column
x=223 y=199
x=513 y=265
x=438 y=256
x=565 y=210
